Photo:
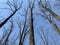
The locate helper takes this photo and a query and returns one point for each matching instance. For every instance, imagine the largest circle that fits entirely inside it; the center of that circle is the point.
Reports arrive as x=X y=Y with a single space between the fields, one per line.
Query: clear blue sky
x=37 y=21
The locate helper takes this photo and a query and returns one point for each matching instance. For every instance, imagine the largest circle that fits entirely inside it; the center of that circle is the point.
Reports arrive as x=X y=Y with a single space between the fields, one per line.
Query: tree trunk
x=32 y=42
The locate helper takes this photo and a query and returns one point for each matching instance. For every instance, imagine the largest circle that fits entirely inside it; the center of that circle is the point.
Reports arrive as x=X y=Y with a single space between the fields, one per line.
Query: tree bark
x=32 y=42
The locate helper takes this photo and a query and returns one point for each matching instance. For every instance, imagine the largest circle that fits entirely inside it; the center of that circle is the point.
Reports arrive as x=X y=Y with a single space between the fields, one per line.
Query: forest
x=30 y=22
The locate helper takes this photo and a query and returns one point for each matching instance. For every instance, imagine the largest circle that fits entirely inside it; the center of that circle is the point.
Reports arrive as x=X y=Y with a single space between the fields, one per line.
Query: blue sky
x=37 y=21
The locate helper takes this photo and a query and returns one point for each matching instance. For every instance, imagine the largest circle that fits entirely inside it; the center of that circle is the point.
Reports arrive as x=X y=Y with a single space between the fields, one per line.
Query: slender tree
x=24 y=30
x=32 y=40
x=6 y=37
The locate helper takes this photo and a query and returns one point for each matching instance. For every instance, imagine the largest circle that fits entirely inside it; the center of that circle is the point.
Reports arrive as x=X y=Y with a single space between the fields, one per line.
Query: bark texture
x=32 y=42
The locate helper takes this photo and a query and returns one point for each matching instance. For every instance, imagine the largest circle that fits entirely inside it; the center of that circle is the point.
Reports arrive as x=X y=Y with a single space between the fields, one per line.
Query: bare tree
x=45 y=36
x=31 y=6
x=26 y=28
x=48 y=16
x=50 y=11
x=14 y=7
x=23 y=29
x=9 y=31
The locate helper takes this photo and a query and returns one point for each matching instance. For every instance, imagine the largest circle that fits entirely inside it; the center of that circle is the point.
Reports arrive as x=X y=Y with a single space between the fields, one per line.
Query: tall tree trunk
x=32 y=42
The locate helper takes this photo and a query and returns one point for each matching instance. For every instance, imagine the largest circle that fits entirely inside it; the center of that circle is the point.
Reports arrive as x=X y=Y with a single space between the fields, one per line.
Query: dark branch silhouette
x=15 y=10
